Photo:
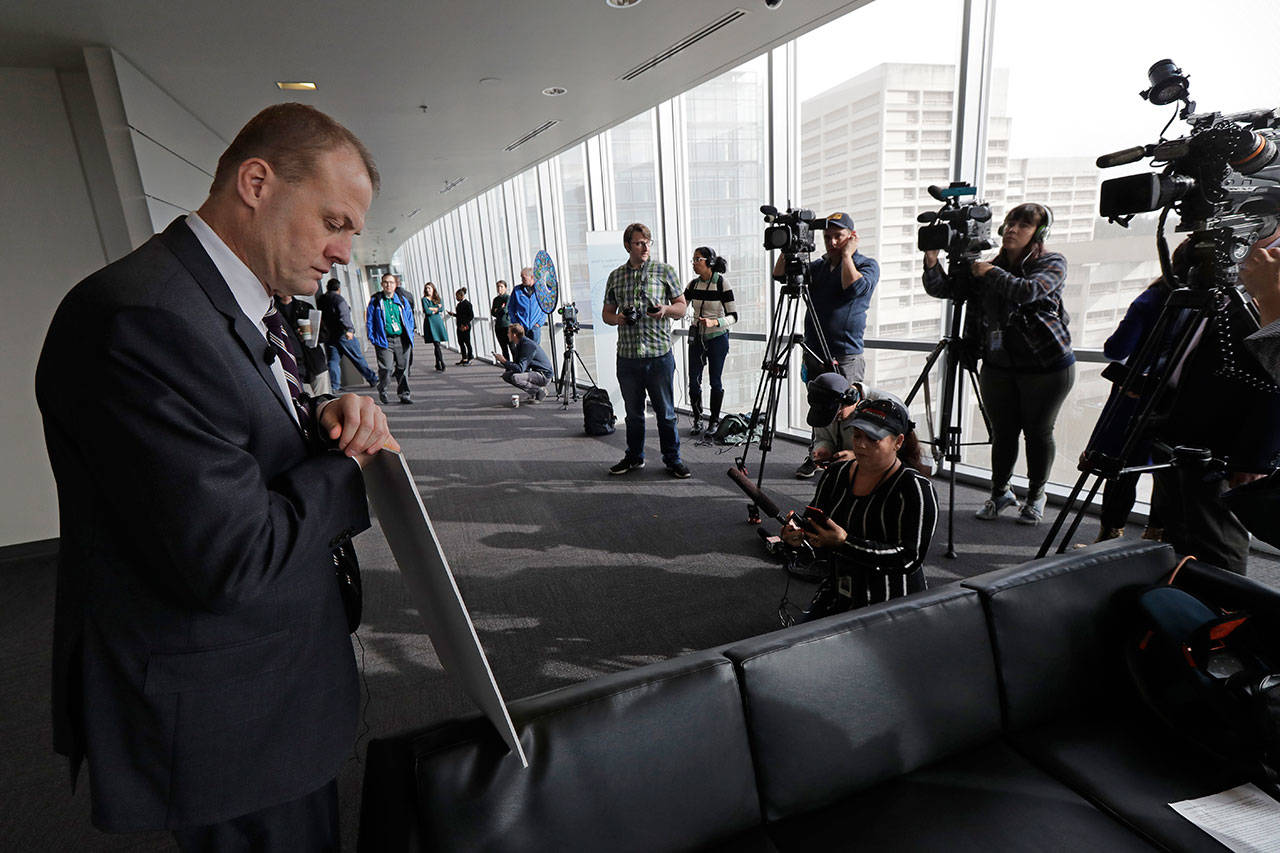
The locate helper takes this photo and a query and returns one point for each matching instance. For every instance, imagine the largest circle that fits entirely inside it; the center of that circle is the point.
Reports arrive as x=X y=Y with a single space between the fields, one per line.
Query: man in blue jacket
x=523 y=307
x=389 y=322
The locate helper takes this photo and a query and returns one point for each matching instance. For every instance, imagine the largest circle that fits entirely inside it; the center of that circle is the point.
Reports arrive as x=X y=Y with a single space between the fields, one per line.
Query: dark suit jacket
x=201 y=657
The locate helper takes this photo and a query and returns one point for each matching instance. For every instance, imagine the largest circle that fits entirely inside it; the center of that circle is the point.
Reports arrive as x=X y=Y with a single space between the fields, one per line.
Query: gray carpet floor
x=568 y=573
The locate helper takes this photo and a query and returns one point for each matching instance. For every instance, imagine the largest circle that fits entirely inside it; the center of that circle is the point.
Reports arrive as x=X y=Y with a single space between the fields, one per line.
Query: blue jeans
x=351 y=349
x=536 y=334
x=713 y=351
x=636 y=376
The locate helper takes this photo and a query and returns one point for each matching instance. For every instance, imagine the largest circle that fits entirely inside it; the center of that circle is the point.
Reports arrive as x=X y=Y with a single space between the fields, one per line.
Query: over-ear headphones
x=1042 y=230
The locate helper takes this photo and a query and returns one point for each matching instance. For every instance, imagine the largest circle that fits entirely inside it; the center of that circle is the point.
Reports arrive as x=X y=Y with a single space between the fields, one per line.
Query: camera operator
x=634 y=298
x=1260 y=275
x=714 y=311
x=841 y=283
x=876 y=514
x=1226 y=403
x=1019 y=327
x=833 y=435
x=528 y=369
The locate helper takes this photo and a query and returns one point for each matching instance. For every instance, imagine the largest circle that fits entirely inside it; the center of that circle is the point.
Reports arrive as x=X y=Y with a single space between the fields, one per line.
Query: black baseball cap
x=840 y=220
x=882 y=417
x=827 y=393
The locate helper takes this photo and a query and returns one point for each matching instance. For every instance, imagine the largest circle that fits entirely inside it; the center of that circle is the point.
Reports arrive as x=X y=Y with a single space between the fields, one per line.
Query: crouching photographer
x=1019 y=326
x=872 y=516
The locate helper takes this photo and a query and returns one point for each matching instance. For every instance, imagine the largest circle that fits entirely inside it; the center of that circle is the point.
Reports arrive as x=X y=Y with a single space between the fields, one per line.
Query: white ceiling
x=376 y=62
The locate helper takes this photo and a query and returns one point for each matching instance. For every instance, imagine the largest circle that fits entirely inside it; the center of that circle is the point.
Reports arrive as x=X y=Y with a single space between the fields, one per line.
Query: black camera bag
x=1213 y=677
x=597 y=412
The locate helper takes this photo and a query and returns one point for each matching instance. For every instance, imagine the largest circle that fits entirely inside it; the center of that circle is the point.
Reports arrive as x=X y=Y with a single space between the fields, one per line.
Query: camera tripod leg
x=1075 y=522
x=1062 y=514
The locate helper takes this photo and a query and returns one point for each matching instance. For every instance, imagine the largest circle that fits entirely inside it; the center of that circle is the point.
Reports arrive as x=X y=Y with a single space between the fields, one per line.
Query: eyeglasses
x=638 y=243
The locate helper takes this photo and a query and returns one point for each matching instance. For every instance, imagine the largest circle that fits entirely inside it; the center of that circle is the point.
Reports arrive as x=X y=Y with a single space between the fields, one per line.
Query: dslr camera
x=634 y=313
x=961 y=230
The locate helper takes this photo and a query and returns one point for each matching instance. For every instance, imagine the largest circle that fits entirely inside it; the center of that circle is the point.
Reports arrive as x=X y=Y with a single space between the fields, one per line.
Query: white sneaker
x=992 y=508
x=1032 y=511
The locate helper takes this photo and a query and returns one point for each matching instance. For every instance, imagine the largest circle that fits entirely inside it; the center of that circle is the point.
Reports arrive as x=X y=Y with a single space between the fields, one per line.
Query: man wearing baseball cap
x=841 y=283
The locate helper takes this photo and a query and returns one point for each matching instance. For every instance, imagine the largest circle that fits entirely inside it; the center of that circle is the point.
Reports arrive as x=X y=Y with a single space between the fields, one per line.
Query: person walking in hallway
x=433 y=329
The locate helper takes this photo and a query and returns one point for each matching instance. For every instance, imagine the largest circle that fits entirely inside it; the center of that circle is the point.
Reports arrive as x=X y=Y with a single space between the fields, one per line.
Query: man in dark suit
x=202 y=662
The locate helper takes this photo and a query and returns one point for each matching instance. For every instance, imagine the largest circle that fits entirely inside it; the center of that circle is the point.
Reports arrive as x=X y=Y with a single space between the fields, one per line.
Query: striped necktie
x=279 y=339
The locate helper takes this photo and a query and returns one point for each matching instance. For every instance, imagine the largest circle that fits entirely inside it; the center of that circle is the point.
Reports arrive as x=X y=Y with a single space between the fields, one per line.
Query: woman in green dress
x=433 y=331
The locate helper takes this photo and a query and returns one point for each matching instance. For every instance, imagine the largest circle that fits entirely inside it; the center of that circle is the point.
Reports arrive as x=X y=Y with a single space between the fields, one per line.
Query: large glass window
x=633 y=152
x=726 y=144
x=876 y=127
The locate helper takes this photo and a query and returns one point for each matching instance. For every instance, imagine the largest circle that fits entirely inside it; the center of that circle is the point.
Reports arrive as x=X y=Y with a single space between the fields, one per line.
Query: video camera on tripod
x=792 y=234
x=962 y=231
x=1223 y=182
x=569 y=316
x=1222 y=179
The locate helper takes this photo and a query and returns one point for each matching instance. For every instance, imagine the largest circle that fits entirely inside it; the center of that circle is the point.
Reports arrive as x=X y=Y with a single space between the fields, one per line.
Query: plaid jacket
x=1025 y=310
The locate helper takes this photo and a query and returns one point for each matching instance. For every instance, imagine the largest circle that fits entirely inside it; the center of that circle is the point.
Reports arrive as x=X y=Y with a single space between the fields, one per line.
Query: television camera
x=1222 y=179
x=569 y=316
x=962 y=231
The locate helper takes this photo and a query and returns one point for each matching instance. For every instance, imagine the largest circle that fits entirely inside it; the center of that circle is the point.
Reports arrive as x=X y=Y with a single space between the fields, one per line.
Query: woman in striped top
x=876 y=514
x=711 y=301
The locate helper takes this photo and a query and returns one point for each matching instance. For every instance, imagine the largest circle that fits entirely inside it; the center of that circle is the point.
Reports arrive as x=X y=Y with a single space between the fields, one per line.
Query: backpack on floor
x=733 y=430
x=1212 y=676
x=597 y=412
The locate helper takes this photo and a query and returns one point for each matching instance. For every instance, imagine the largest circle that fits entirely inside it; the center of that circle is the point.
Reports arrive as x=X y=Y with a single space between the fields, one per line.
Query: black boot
x=695 y=403
x=717 y=397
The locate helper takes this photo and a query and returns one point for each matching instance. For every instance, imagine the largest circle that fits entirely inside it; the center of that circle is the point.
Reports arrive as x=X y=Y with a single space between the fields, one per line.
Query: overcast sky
x=1075 y=68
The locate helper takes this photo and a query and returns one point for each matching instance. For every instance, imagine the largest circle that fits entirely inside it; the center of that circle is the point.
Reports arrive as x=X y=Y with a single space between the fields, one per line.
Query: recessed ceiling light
x=621 y=4
x=295 y=85
x=553 y=91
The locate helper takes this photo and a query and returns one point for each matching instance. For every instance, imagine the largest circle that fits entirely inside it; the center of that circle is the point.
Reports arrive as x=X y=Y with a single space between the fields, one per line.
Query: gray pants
x=394 y=359
x=528 y=382
x=1026 y=403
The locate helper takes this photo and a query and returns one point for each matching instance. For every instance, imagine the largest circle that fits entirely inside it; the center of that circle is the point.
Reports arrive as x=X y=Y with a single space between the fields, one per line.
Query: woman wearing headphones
x=1019 y=327
x=711 y=301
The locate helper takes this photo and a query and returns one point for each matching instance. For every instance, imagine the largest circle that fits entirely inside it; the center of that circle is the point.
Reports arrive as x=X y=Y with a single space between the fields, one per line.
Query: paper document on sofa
x=1242 y=819
x=422 y=562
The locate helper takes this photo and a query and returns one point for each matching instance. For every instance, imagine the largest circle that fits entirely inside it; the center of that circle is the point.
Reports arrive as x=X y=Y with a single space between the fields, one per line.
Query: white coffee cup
x=515 y=401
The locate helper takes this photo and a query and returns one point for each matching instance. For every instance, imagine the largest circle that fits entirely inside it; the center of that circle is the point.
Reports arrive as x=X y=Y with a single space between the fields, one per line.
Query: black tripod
x=958 y=364
x=567 y=381
x=1145 y=398
x=783 y=338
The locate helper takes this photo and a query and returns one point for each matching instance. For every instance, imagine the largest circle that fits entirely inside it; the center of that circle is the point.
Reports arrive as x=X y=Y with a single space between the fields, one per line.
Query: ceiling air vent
x=531 y=134
x=688 y=41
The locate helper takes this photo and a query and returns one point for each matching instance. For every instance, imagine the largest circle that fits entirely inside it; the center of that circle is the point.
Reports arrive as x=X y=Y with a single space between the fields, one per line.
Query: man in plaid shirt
x=641 y=297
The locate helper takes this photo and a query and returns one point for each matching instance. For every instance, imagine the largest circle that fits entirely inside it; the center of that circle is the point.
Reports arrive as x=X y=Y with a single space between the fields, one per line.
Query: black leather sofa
x=992 y=714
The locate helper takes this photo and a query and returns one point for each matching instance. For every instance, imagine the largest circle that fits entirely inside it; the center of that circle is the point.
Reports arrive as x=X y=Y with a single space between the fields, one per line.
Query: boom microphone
x=758 y=497
x=1119 y=158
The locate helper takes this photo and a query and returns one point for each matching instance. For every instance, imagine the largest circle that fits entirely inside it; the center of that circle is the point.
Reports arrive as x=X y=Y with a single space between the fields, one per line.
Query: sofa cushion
x=985 y=799
x=654 y=758
x=845 y=702
x=1055 y=630
x=1133 y=768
